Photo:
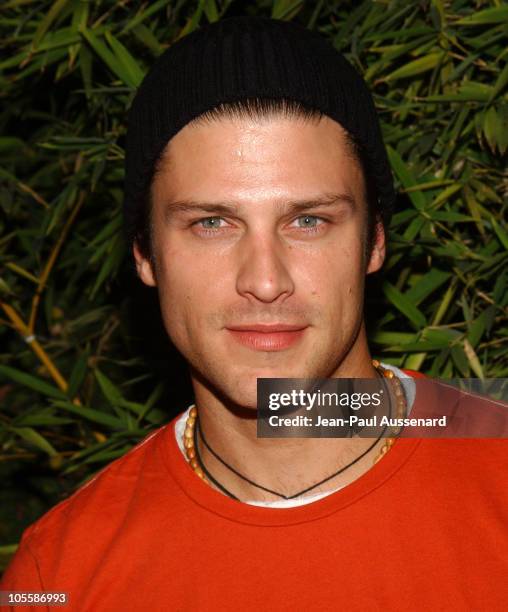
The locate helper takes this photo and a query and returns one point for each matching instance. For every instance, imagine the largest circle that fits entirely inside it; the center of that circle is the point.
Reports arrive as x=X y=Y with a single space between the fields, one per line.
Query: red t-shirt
x=425 y=529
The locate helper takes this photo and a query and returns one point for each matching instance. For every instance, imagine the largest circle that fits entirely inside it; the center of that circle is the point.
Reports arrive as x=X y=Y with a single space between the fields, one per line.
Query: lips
x=267 y=337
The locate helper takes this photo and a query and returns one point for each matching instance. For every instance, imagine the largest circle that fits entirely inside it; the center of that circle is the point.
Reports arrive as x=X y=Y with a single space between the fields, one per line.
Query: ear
x=378 y=252
x=144 y=266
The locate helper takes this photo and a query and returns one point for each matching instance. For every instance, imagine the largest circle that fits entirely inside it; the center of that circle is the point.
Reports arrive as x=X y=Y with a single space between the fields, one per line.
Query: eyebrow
x=228 y=208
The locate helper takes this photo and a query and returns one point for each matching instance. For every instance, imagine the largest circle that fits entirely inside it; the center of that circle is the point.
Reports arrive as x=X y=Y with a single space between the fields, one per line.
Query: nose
x=263 y=272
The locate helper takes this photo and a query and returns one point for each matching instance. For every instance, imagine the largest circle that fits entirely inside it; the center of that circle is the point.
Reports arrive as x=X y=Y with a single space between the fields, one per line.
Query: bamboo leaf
x=92 y=415
x=446 y=194
x=286 y=9
x=113 y=63
x=472 y=357
x=386 y=337
x=36 y=439
x=427 y=285
x=211 y=10
x=460 y=360
x=135 y=73
x=405 y=176
x=422 y=64
x=47 y=20
x=32 y=382
x=451 y=216
x=405 y=305
x=502 y=81
x=85 y=64
x=478 y=327
x=490 y=127
x=500 y=233
x=487 y=16
x=146 y=36
x=111 y=392
x=148 y=11
x=467 y=92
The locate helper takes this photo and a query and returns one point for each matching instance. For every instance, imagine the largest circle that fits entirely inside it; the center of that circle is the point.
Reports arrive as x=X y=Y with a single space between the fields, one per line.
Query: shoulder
x=111 y=515
x=108 y=493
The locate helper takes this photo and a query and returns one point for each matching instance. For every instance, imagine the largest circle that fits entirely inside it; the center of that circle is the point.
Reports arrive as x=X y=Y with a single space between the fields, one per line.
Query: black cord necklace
x=203 y=467
x=198 y=429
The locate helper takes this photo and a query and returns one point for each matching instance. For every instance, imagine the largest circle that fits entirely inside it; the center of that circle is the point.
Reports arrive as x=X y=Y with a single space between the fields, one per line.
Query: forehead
x=256 y=158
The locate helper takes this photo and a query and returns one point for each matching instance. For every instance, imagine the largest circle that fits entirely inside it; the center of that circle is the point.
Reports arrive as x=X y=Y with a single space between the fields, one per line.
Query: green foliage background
x=84 y=369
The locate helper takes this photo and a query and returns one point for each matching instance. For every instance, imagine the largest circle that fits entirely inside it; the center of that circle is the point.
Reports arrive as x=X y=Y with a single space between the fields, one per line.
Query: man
x=257 y=199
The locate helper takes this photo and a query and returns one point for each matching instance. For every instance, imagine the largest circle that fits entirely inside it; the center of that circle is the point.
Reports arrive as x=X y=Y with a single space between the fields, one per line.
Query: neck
x=283 y=465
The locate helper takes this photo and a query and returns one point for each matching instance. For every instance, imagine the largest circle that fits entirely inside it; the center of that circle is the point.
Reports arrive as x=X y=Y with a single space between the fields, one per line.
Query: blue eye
x=308 y=221
x=210 y=222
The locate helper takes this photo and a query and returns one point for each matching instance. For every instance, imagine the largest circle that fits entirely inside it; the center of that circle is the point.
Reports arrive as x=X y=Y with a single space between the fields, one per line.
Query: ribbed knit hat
x=247 y=57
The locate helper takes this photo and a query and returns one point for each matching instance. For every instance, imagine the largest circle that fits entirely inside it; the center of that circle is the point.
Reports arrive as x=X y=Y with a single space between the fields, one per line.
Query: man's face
x=259 y=229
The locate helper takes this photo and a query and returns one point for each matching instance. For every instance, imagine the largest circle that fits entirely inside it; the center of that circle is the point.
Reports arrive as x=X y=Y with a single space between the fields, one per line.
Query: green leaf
x=65 y=37
x=467 y=92
x=146 y=36
x=500 y=233
x=478 y=327
x=32 y=382
x=286 y=9
x=47 y=20
x=211 y=11
x=487 y=16
x=446 y=194
x=473 y=360
x=42 y=420
x=193 y=21
x=412 y=347
x=490 y=127
x=405 y=305
x=474 y=209
x=135 y=73
x=451 y=216
x=460 y=360
x=502 y=128
x=414 y=228
x=34 y=437
x=78 y=374
x=110 y=264
x=90 y=414
x=443 y=336
x=382 y=337
x=406 y=177
x=422 y=64
x=110 y=59
x=500 y=293
x=147 y=11
x=10 y=143
x=427 y=284
x=111 y=391
x=415 y=361
x=85 y=64
x=502 y=81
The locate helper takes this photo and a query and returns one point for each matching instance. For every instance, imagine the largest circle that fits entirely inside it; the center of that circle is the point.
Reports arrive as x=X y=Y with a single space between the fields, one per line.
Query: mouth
x=267 y=337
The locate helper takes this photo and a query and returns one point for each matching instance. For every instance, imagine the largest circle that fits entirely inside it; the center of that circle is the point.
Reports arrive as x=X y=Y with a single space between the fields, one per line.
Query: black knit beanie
x=239 y=58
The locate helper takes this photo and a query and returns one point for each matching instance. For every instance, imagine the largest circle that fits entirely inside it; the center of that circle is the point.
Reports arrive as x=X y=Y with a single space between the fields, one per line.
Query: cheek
x=188 y=284
x=333 y=273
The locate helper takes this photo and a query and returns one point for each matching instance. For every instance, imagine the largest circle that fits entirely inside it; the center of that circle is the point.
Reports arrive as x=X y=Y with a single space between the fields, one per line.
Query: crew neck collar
x=409 y=387
x=214 y=501
x=209 y=499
